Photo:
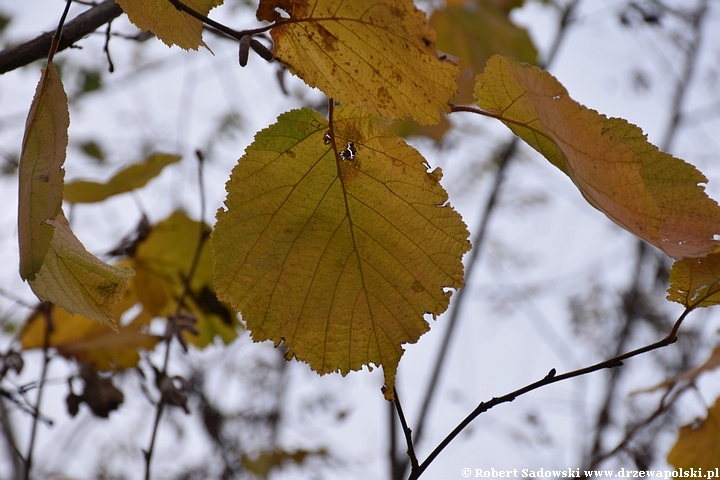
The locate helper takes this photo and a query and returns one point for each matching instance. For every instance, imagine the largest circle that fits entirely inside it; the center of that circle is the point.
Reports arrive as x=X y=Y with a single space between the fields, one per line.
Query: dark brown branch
x=237 y=35
x=550 y=378
x=37 y=48
x=408 y=434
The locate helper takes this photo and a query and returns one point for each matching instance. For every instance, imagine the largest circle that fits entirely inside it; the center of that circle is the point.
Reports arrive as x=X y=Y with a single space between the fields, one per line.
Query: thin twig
x=236 y=34
x=172 y=321
x=55 y=41
x=664 y=405
x=45 y=309
x=408 y=433
x=13 y=452
x=106 y=48
x=549 y=379
x=681 y=87
x=630 y=320
x=395 y=463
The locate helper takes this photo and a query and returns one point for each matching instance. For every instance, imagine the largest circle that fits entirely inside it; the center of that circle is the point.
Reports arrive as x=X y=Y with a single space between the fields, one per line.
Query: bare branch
x=550 y=378
x=37 y=48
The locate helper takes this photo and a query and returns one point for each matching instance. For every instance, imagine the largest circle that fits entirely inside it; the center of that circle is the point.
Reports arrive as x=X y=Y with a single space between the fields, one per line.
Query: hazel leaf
x=169 y=24
x=377 y=54
x=652 y=194
x=336 y=240
x=52 y=259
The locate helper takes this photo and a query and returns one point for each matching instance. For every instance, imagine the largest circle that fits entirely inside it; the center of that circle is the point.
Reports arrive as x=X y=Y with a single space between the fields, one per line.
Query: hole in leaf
x=349 y=152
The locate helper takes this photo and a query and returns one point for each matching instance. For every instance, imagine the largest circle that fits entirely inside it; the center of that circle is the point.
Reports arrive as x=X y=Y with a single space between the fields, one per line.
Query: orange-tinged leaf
x=52 y=259
x=168 y=23
x=652 y=194
x=695 y=282
x=337 y=247
x=474 y=31
x=378 y=54
x=40 y=171
x=75 y=336
x=127 y=179
x=698 y=446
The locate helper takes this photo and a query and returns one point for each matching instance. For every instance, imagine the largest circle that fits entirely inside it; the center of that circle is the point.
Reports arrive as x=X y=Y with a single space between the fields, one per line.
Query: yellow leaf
x=168 y=23
x=698 y=446
x=127 y=179
x=52 y=259
x=77 y=337
x=267 y=461
x=695 y=282
x=378 y=54
x=40 y=171
x=336 y=241
x=76 y=280
x=474 y=31
x=652 y=194
x=162 y=262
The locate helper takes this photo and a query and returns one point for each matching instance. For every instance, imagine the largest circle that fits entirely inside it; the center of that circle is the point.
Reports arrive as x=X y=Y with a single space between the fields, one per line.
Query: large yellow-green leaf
x=652 y=194
x=77 y=337
x=168 y=23
x=127 y=179
x=698 y=446
x=695 y=282
x=40 y=171
x=378 y=54
x=52 y=259
x=336 y=240
x=162 y=262
x=473 y=31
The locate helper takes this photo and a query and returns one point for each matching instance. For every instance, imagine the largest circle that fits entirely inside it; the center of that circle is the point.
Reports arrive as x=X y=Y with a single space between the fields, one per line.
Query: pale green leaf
x=77 y=281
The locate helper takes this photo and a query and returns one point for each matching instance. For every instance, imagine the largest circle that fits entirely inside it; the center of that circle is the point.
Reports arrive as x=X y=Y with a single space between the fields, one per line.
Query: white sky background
x=514 y=327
